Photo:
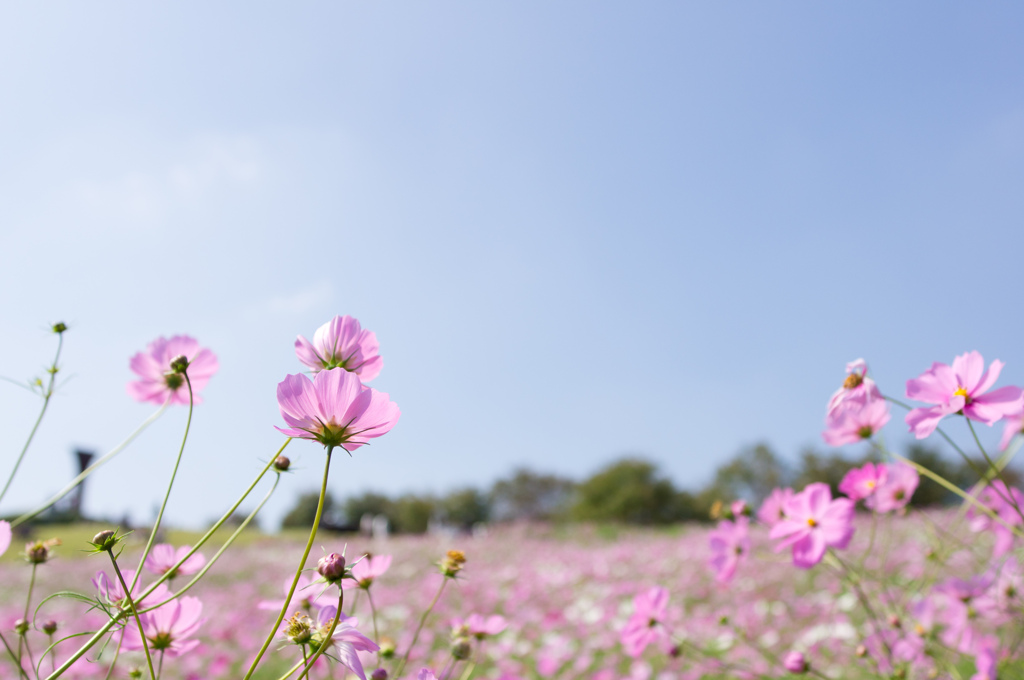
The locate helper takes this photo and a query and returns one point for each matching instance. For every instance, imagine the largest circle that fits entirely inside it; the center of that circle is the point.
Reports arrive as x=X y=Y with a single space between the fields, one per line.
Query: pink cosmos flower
x=813 y=523
x=961 y=388
x=857 y=389
x=347 y=639
x=341 y=343
x=861 y=482
x=426 y=674
x=305 y=596
x=334 y=409
x=730 y=543
x=163 y=557
x=5 y=536
x=110 y=590
x=366 y=570
x=957 y=614
x=855 y=422
x=168 y=628
x=772 y=510
x=482 y=627
x=894 y=492
x=794 y=662
x=158 y=383
x=1014 y=426
x=985 y=659
x=1001 y=499
x=644 y=626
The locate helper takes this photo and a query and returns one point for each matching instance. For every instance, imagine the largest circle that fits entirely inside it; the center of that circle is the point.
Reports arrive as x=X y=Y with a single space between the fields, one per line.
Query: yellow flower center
x=853 y=380
x=811 y=522
x=961 y=392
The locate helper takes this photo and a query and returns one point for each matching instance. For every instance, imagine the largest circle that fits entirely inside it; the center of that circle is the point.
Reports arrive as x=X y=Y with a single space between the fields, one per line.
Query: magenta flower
x=1001 y=499
x=366 y=570
x=644 y=626
x=813 y=523
x=305 y=596
x=334 y=409
x=341 y=343
x=168 y=628
x=857 y=389
x=158 y=382
x=855 y=422
x=110 y=590
x=773 y=508
x=962 y=388
x=985 y=659
x=348 y=640
x=482 y=627
x=5 y=536
x=730 y=544
x=1014 y=426
x=794 y=662
x=163 y=557
x=894 y=491
x=863 y=481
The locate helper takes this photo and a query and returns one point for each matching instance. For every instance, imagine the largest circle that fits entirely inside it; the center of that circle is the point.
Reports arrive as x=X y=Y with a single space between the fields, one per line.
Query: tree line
x=631 y=490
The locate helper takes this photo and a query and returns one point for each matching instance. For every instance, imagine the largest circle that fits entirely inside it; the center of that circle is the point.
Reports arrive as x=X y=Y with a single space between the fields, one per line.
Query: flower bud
x=59 y=327
x=861 y=651
x=895 y=622
x=379 y=674
x=282 y=463
x=38 y=552
x=461 y=648
x=675 y=651
x=331 y=567
x=21 y=626
x=387 y=648
x=794 y=662
x=179 y=364
x=50 y=627
x=134 y=673
x=452 y=563
x=105 y=540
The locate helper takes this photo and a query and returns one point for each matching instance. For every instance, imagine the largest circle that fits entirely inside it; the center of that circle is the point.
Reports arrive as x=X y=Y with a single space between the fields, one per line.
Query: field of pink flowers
x=801 y=585
x=565 y=595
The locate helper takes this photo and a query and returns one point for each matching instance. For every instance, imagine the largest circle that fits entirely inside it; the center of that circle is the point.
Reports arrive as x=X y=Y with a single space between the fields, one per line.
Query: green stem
x=167 y=496
x=31 y=585
x=14 y=657
x=96 y=637
x=92 y=468
x=227 y=515
x=113 y=663
x=950 y=486
x=330 y=632
x=46 y=402
x=373 y=614
x=998 y=472
x=135 y=613
x=423 y=620
x=99 y=634
x=195 y=579
x=298 y=572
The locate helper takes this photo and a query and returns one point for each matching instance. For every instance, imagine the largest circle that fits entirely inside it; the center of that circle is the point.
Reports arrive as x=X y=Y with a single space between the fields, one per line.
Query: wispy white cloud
x=298 y=302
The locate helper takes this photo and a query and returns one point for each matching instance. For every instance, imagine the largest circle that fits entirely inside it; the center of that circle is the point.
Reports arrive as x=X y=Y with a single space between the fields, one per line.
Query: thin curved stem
x=42 y=412
x=14 y=657
x=298 y=572
x=87 y=646
x=373 y=615
x=231 y=539
x=998 y=471
x=92 y=468
x=423 y=620
x=170 y=485
x=135 y=613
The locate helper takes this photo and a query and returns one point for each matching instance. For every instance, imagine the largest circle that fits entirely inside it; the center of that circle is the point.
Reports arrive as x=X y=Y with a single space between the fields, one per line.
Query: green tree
x=527 y=495
x=630 y=491
x=465 y=507
x=750 y=475
x=412 y=513
x=368 y=503
x=303 y=512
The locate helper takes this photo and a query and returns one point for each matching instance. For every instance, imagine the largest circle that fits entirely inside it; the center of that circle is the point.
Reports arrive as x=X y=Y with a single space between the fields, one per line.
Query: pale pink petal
x=968 y=368
x=934 y=386
x=809 y=551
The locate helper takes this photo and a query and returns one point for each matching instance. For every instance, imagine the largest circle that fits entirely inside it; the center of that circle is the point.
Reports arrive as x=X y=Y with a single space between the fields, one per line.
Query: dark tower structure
x=84 y=458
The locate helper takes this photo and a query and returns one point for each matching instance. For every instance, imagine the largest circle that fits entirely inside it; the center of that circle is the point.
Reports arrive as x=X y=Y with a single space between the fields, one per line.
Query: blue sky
x=579 y=229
